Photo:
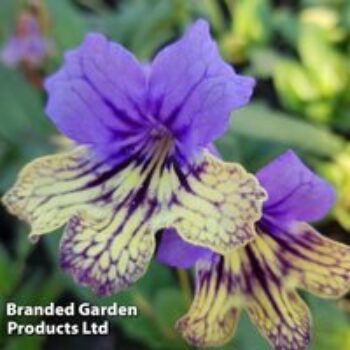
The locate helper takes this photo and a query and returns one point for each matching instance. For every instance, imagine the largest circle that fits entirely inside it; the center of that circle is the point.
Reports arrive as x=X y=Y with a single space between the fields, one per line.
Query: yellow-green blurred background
x=299 y=52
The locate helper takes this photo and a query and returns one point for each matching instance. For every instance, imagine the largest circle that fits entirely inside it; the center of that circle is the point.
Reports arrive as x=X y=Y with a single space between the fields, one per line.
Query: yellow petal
x=50 y=189
x=109 y=254
x=213 y=316
x=283 y=319
x=318 y=264
x=216 y=205
x=279 y=314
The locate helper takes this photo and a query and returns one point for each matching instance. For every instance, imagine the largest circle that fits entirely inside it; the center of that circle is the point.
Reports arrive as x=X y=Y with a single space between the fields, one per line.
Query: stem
x=185 y=285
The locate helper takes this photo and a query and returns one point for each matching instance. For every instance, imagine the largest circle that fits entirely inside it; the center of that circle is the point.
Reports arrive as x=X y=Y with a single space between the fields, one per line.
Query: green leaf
x=21 y=109
x=252 y=21
x=69 y=25
x=170 y=305
x=8 y=272
x=330 y=325
x=142 y=34
x=263 y=62
x=286 y=24
x=258 y=121
x=25 y=342
x=9 y=9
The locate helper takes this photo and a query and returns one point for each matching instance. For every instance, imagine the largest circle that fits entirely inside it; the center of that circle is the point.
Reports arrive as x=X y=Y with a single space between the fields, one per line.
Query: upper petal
x=97 y=95
x=295 y=192
x=174 y=251
x=192 y=90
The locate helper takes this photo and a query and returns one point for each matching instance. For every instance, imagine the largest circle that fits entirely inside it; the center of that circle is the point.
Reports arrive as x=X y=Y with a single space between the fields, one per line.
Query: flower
x=27 y=45
x=263 y=276
x=141 y=163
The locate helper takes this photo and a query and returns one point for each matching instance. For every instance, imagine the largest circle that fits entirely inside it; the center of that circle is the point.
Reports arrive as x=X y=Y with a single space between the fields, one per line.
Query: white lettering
x=11 y=309
x=11 y=326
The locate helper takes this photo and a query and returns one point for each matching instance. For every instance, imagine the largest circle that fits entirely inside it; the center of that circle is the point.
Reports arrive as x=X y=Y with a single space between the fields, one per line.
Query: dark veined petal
x=310 y=260
x=50 y=189
x=109 y=239
x=280 y=260
x=294 y=191
x=114 y=211
x=109 y=254
x=245 y=279
x=284 y=320
x=215 y=205
x=174 y=251
x=213 y=316
x=264 y=277
x=278 y=312
x=193 y=91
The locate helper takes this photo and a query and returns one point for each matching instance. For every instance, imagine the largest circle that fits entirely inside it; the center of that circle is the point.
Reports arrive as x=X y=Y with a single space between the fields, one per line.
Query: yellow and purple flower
x=262 y=277
x=141 y=163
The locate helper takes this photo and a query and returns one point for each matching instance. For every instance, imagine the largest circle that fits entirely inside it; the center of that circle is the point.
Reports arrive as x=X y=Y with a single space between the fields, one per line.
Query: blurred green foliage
x=299 y=52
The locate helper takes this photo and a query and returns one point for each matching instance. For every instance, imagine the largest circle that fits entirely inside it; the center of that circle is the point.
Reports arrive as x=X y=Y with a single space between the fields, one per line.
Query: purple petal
x=174 y=251
x=96 y=96
x=295 y=192
x=193 y=91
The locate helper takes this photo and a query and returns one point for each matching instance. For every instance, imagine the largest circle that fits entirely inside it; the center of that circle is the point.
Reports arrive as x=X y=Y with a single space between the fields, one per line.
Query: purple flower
x=141 y=164
x=263 y=276
x=27 y=46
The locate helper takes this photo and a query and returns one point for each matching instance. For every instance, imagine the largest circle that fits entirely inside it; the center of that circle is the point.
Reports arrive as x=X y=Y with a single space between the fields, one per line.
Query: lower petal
x=109 y=239
x=216 y=205
x=318 y=264
x=279 y=313
x=110 y=254
x=50 y=189
x=213 y=316
x=282 y=317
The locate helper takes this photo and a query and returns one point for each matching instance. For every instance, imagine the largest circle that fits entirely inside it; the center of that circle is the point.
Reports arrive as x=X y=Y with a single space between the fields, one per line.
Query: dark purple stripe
x=262 y=279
